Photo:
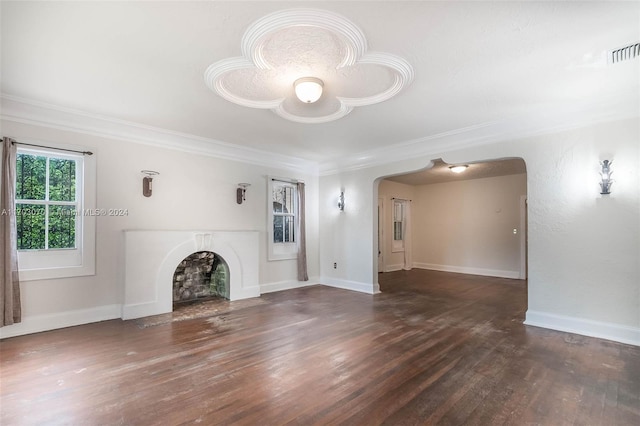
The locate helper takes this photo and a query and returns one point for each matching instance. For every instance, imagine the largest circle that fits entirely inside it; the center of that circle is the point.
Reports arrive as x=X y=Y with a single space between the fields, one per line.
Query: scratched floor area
x=432 y=348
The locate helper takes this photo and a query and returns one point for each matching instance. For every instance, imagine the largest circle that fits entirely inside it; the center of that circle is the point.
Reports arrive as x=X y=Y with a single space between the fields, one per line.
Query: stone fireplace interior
x=201 y=275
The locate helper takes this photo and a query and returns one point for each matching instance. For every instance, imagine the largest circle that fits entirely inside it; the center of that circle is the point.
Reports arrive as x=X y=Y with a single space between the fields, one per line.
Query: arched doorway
x=472 y=222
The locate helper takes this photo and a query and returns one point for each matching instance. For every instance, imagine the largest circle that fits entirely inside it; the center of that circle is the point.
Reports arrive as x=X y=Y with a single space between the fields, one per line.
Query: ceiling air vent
x=624 y=53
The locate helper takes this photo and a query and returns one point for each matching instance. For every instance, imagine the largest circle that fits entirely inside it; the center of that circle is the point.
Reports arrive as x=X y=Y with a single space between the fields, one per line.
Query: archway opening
x=474 y=222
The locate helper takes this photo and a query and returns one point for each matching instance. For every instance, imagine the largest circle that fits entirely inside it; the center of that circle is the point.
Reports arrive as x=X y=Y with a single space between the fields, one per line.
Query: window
x=55 y=237
x=283 y=219
x=283 y=199
x=47 y=200
x=398 y=226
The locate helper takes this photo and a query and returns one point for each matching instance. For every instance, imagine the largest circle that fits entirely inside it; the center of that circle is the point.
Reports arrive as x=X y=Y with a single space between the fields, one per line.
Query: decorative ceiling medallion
x=283 y=47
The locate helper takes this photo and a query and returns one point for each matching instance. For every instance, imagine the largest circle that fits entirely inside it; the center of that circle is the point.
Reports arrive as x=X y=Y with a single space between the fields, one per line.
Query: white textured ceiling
x=510 y=67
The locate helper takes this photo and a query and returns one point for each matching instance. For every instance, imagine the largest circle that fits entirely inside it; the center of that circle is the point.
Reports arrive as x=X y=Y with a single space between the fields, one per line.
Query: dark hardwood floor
x=433 y=348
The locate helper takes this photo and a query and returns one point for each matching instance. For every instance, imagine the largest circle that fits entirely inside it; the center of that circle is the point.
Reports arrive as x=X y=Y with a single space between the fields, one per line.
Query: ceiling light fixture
x=458 y=169
x=278 y=45
x=308 y=89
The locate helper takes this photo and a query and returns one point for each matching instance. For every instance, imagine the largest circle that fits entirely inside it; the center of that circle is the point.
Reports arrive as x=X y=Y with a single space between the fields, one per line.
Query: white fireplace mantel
x=151 y=258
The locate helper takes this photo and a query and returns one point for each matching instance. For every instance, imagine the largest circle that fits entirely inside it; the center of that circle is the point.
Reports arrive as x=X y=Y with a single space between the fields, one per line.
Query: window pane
x=30 y=177
x=283 y=198
x=288 y=229
x=278 y=232
x=30 y=224
x=62 y=179
x=397 y=231
x=397 y=211
x=283 y=229
x=288 y=200
x=62 y=227
x=283 y=201
x=279 y=198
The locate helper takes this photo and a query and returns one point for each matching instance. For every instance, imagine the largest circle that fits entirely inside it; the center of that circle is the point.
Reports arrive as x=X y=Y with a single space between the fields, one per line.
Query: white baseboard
x=140 y=310
x=392 y=268
x=247 y=292
x=351 y=285
x=38 y=323
x=585 y=327
x=467 y=270
x=287 y=285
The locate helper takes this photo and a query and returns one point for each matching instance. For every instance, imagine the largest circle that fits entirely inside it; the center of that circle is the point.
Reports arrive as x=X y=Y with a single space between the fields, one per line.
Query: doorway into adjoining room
x=468 y=220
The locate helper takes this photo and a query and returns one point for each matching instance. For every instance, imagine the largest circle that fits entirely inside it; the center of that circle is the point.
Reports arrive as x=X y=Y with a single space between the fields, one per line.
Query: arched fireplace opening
x=200 y=276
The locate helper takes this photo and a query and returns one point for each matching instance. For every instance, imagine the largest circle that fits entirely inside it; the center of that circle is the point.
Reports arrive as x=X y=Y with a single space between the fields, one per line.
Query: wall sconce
x=341 y=201
x=146 y=182
x=605 y=174
x=241 y=192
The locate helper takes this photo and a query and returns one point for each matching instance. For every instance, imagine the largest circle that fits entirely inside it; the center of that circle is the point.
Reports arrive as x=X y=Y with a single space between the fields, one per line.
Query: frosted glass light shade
x=458 y=169
x=308 y=89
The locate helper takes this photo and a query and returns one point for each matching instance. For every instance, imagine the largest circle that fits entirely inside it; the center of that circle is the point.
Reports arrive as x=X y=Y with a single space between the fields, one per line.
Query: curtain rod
x=286 y=180
x=400 y=199
x=50 y=147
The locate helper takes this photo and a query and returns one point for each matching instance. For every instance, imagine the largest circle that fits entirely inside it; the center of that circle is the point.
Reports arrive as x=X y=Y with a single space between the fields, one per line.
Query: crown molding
x=433 y=144
x=21 y=110
x=26 y=111
x=472 y=136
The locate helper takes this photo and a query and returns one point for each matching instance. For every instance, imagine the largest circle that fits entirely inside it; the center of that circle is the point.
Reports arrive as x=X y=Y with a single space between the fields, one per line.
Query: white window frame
x=281 y=251
x=397 y=217
x=64 y=263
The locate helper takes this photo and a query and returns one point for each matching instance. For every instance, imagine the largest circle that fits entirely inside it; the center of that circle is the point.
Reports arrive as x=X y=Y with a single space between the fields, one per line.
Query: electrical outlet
x=335 y=265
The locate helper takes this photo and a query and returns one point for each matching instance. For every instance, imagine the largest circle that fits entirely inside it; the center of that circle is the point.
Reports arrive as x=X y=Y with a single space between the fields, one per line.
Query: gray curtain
x=9 y=282
x=302 y=236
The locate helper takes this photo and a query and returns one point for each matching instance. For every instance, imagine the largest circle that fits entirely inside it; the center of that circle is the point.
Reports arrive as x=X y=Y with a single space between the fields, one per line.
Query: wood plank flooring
x=433 y=348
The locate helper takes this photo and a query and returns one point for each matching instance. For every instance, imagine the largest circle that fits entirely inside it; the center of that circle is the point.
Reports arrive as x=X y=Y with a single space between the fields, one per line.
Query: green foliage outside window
x=31 y=226
x=46 y=208
x=31 y=175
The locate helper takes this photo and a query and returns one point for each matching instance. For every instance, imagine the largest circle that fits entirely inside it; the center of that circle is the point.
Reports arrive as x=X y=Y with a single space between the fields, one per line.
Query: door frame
x=523 y=237
x=381 y=245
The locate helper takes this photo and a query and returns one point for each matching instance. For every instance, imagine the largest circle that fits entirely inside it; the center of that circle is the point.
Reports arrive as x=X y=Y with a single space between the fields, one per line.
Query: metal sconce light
x=341 y=201
x=146 y=182
x=605 y=174
x=241 y=191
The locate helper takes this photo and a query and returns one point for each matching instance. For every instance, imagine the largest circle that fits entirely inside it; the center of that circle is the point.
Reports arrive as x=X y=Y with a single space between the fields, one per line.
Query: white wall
x=347 y=238
x=584 y=248
x=467 y=226
x=191 y=192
